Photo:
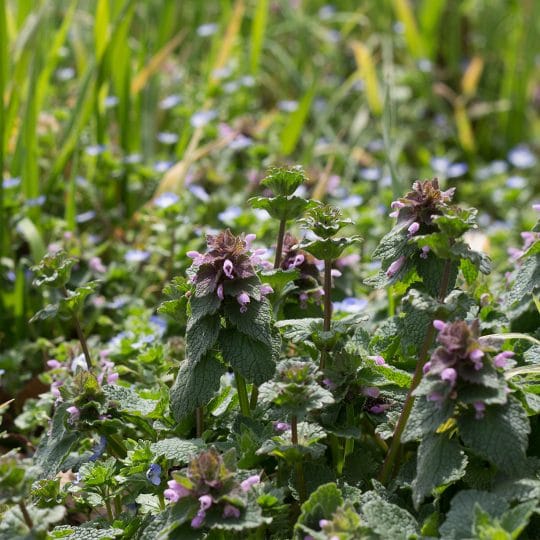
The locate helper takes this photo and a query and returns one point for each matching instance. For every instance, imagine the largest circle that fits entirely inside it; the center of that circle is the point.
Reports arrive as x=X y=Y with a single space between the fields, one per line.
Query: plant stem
x=109 y=509
x=80 y=334
x=327 y=305
x=391 y=302
x=301 y=482
x=277 y=262
x=390 y=461
x=241 y=389
x=26 y=515
x=349 y=443
x=279 y=245
x=199 y=421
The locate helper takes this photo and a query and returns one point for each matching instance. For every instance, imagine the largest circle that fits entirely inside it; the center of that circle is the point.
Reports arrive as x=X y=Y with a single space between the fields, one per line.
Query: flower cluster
x=227 y=262
x=462 y=359
x=419 y=206
x=208 y=481
x=309 y=282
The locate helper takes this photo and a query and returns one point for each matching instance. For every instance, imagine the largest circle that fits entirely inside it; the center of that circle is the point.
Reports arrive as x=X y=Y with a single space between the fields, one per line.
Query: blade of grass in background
x=258 y=29
x=292 y=130
x=430 y=15
x=367 y=72
x=413 y=37
x=3 y=78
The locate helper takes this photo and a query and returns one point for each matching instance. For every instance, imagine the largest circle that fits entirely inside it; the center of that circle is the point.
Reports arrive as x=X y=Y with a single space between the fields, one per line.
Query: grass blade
x=258 y=29
x=293 y=128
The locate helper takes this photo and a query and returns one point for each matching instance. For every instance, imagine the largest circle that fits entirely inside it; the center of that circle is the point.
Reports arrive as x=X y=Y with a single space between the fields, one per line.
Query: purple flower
x=379 y=408
x=176 y=491
x=413 y=228
x=281 y=426
x=230 y=511
x=480 y=408
x=449 y=374
x=54 y=364
x=425 y=251
x=502 y=358
x=247 y=484
x=198 y=520
x=436 y=397
x=265 y=289
x=536 y=207
x=219 y=291
x=327 y=383
x=96 y=265
x=323 y=523
x=74 y=413
x=379 y=360
x=153 y=474
x=476 y=356
x=426 y=368
x=98 y=449
x=371 y=392
x=395 y=267
x=243 y=299
x=297 y=261
x=228 y=268
x=206 y=502
x=439 y=325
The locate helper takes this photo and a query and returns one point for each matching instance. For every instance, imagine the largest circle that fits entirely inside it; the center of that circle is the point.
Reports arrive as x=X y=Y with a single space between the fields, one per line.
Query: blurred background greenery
x=107 y=104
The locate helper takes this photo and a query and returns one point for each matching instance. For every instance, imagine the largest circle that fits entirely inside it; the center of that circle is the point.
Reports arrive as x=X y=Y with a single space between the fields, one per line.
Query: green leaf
x=431 y=271
x=329 y=248
x=388 y=520
x=460 y=518
x=87 y=531
x=195 y=385
x=526 y=281
x=284 y=181
x=299 y=330
x=176 y=450
x=54 y=448
x=469 y=271
x=252 y=359
x=516 y=519
x=293 y=128
x=278 y=278
x=462 y=251
x=201 y=334
x=127 y=400
x=426 y=417
x=321 y=504
x=50 y=311
x=204 y=305
x=250 y=518
x=54 y=270
x=440 y=461
x=255 y=322
x=500 y=436
x=281 y=208
x=75 y=299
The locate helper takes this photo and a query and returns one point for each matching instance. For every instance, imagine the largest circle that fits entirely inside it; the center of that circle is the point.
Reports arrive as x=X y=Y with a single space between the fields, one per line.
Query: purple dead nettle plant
x=227 y=259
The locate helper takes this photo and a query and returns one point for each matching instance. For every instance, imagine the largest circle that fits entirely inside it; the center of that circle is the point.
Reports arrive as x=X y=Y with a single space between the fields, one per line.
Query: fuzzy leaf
x=299 y=330
x=255 y=322
x=284 y=181
x=204 y=305
x=460 y=518
x=195 y=385
x=329 y=248
x=281 y=207
x=426 y=417
x=440 y=461
x=322 y=503
x=201 y=334
x=54 y=448
x=178 y=451
x=388 y=520
x=461 y=251
x=128 y=400
x=84 y=532
x=431 y=271
x=250 y=518
x=252 y=359
x=500 y=437
x=526 y=281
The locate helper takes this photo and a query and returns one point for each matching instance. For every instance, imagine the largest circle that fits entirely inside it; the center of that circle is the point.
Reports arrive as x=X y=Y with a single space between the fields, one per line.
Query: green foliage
x=54 y=270
x=284 y=182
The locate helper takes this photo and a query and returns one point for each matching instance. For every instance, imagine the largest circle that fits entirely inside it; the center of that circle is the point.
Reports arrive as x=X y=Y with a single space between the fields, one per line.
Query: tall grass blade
x=258 y=30
x=368 y=74
x=413 y=38
x=293 y=128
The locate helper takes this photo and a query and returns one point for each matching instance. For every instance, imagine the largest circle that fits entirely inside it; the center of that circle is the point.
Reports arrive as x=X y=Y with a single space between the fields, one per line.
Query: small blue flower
x=521 y=157
x=95 y=149
x=516 y=182
x=136 y=255
x=166 y=137
x=38 y=201
x=166 y=199
x=111 y=101
x=201 y=118
x=65 y=74
x=98 y=449
x=288 y=105
x=199 y=192
x=11 y=182
x=351 y=305
x=230 y=214
x=207 y=29
x=85 y=216
x=162 y=166
x=457 y=169
x=153 y=474
x=371 y=173
x=170 y=101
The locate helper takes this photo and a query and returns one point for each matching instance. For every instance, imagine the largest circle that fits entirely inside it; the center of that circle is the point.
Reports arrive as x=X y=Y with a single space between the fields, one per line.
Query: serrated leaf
x=255 y=322
x=284 y=181
x=388 y=520
x=321 y=504
x=250 y=518
x=201 y=335
x=128 y=400
x=201 y=306
x=431 y=270
x=281 y=208
x=460 y=518
x=195 y=385
x=426 y=417
x=54 y=448
x=500 y=436
x=329 y=248
x=252 y=359
x=469 y=271
x=526 y=280
x=461 y=251
x=298 y=330
x=50 y=311
x=516 y=519
x=177 y=450
x=440 y=461
x=278 y=278
x=75 y=299
x=85 y=532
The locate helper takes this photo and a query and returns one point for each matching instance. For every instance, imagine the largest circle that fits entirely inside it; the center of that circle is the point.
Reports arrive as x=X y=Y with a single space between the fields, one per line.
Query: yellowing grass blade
x=464 y=127
x=258 y=30
x=140 y=80
x=471 y=77
x=366 y=68
x=413 y=37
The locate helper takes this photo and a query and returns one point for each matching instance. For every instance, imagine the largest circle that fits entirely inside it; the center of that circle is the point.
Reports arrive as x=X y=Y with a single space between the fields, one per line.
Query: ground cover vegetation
x=269 y=269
